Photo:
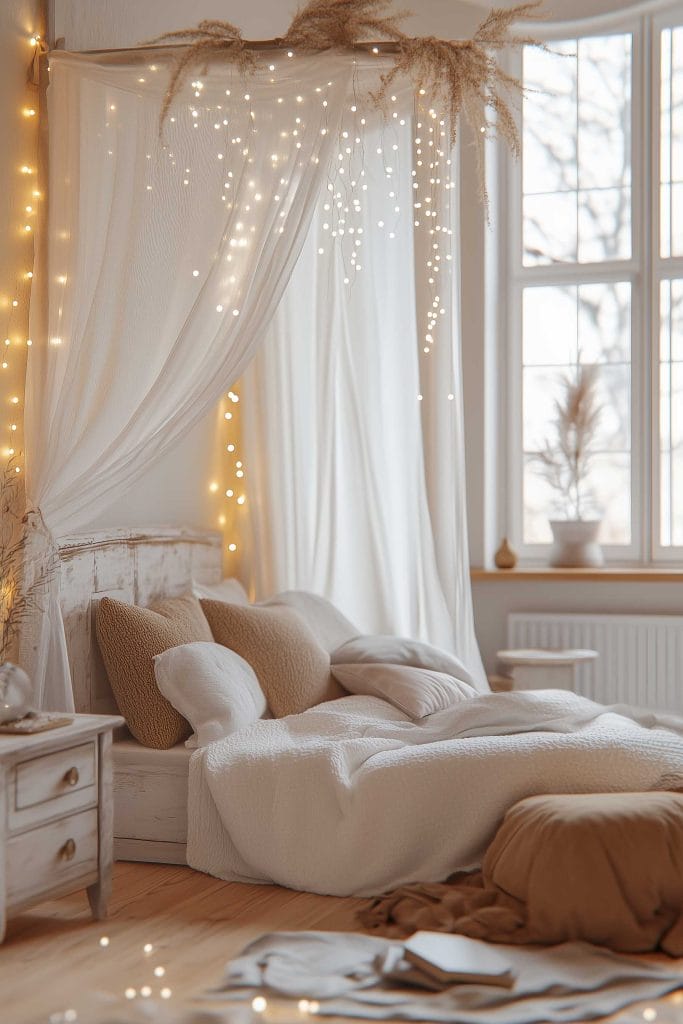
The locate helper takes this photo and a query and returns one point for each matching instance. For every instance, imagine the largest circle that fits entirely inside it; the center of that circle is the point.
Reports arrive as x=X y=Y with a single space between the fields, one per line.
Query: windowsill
x=606 y=574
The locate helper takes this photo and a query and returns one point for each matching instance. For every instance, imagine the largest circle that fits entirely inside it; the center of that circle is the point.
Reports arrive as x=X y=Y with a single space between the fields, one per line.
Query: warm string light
x=233 y=120
x=15 y=304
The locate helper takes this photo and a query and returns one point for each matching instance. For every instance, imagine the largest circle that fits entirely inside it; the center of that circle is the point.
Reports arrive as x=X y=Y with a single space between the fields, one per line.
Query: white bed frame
x=136 y=566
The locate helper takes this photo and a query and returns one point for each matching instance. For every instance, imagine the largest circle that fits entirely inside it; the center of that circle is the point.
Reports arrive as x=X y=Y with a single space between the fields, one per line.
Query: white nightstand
x=536 y=669
x=56 y=815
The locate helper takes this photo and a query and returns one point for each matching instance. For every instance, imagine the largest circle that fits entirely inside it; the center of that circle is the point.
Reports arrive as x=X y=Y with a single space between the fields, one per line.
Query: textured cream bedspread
x=352 y=797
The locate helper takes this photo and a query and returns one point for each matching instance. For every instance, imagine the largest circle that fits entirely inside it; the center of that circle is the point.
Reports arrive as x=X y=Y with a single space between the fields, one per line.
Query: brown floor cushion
x=605 y=868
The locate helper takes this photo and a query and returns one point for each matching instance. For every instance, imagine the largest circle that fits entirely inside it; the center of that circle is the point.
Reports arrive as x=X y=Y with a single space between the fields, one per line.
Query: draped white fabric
x=361 y=495
x=165 y=263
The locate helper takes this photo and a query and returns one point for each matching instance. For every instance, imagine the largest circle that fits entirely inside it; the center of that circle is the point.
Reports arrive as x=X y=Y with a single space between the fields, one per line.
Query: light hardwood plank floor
x=52 y=959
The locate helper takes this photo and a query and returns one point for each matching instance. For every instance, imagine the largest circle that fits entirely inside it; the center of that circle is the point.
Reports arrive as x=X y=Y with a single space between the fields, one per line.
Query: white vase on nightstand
x=15 y=692
x=575 y=543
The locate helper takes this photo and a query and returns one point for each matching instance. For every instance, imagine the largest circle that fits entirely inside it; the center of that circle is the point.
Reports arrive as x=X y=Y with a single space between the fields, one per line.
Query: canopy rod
x=249 y=44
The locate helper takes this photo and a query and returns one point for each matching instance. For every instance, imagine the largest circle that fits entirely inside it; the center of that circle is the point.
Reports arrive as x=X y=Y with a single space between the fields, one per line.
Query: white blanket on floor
x=353 y=798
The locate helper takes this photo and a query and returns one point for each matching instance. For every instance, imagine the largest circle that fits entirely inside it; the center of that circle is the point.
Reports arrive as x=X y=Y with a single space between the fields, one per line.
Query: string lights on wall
x=16 y=290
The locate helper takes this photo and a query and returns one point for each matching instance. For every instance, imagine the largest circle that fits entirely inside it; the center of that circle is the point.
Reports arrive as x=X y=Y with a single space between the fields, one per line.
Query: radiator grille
x=641 y=656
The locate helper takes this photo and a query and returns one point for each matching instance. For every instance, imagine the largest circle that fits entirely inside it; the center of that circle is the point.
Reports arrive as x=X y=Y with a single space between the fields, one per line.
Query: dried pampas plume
x=459 y=77
x=464 y=77
x=340 y=24
x=207 y=38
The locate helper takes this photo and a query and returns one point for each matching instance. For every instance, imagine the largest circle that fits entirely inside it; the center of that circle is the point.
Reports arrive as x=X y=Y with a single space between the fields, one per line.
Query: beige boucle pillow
x=291 y=666
x=130 y=638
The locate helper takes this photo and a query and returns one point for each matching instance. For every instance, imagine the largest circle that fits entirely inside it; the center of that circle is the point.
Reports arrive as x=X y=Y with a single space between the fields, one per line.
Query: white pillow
x=229 y=590
x=417 y=692
x=326 y=622
x=399 y=650
x=212 y=687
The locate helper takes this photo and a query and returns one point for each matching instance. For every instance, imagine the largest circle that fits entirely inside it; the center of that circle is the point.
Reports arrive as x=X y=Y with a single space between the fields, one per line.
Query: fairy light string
x=16 y=290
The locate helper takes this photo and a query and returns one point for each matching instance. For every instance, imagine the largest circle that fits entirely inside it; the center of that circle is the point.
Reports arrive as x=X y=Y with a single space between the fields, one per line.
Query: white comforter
x=353 y=798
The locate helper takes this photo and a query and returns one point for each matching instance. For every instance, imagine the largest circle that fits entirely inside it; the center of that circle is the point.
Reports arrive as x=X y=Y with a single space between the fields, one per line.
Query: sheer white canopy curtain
x=165 y=260
x=356 y=394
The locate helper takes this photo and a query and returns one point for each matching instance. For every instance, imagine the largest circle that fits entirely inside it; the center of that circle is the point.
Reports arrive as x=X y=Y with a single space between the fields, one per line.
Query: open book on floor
x=451 y=959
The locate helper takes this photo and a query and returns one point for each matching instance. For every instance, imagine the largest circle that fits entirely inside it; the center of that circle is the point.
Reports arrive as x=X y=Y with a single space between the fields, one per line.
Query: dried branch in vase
x=17 y=597
x=566 y=460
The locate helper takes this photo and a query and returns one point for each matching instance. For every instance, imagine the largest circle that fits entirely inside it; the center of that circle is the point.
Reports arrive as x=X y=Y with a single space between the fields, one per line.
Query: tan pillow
x=291 y=666
x=130 y=637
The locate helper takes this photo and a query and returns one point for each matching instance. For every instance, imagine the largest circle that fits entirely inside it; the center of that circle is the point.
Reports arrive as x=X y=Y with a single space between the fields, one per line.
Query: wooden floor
x=52 y=959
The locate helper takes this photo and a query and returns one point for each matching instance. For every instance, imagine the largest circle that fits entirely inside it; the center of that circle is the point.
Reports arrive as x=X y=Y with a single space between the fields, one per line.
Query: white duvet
x=353 y=798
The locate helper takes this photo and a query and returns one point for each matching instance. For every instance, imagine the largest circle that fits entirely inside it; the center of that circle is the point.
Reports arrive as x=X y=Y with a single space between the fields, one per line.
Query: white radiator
x=640 y=656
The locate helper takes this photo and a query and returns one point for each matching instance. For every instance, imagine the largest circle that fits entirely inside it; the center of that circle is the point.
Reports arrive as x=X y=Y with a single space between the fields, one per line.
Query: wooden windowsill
x=606 y=574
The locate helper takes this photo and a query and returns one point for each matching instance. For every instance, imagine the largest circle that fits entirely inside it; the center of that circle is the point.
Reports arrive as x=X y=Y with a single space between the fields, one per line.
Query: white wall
x=179 y=484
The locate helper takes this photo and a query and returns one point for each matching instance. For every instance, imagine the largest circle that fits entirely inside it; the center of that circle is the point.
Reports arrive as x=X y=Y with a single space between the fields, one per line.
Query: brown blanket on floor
x=605 y=868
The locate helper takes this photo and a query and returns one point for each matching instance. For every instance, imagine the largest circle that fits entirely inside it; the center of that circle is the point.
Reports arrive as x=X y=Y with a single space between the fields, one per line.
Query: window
x=595 y=278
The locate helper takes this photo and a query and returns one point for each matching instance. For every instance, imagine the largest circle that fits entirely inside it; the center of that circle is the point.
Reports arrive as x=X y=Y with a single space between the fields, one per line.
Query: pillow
x=130 y=638
x=399 y=650
x=291 y=666
x=417 y=692
x=212 y=687
x=326 y=622
x=229 y=589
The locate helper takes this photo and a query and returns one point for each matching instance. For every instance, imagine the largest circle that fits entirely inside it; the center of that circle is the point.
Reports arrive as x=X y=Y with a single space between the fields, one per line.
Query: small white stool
x=534 y=669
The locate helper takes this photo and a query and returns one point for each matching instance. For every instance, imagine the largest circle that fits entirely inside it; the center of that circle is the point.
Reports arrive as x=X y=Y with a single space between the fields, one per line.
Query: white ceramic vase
x=575 y=543
x=15 y=692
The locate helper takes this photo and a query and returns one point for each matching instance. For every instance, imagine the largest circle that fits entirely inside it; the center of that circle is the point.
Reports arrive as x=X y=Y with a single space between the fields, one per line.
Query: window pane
x=671 y=145
x=576 y=126
x=563 y=328
x=671 y=412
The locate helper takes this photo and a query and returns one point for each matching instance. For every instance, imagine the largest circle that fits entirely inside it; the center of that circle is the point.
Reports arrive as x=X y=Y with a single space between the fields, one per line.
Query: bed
x=138 y=566
x=350 y=797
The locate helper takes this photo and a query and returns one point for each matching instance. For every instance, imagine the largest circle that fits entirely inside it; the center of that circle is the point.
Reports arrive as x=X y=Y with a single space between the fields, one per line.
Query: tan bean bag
x=606 y=868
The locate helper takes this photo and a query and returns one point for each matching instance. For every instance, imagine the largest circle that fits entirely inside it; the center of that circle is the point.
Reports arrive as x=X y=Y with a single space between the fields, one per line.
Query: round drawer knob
x=68 y=851
x=72 y=777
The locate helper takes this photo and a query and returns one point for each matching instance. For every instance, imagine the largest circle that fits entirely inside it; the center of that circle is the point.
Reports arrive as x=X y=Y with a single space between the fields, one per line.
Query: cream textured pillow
x=291 y=666
x=400 y=650
x=212 y=687
x=325 y=621
x=130 y=637
x=417 y=692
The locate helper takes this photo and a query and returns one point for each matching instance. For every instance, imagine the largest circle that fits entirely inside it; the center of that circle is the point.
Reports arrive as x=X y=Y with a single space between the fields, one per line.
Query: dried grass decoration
x=457 y=76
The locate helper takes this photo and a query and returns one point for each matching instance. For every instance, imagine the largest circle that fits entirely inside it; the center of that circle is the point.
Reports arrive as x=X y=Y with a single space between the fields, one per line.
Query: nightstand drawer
x=58 y=783
x=51 y=857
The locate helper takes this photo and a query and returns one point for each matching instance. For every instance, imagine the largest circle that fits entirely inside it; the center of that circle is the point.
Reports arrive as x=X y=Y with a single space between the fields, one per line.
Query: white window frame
x=645 y=26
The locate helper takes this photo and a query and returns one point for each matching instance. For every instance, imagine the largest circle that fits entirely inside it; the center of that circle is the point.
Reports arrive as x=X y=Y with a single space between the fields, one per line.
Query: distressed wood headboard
x=136 y=566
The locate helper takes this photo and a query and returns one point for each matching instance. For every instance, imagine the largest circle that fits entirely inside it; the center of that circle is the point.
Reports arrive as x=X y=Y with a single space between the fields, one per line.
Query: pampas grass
x=209 y=37
x=566 y=459
x=460 y=77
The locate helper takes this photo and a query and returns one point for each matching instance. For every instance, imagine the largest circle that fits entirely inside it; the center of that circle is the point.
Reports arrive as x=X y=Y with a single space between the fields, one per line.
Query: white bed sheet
x=352 y=798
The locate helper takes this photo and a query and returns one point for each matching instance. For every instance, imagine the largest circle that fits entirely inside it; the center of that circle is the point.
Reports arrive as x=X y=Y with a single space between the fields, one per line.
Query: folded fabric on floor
x=604 y=867
x=354 y=975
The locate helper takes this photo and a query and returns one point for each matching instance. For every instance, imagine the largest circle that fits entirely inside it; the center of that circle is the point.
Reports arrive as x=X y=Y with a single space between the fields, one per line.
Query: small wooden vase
x=505 y=557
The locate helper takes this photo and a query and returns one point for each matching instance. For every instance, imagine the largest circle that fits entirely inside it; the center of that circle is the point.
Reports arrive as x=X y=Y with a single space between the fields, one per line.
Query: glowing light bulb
x=15 y=400
x=29 y=112
x=159 y=972
x=241 y=500
x=165 y=993
x=213 y=487
x=259 y=1004
x=147 y=948
x=29 y=274
x=233 y=547
x=145 y=991
x=104 y=941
